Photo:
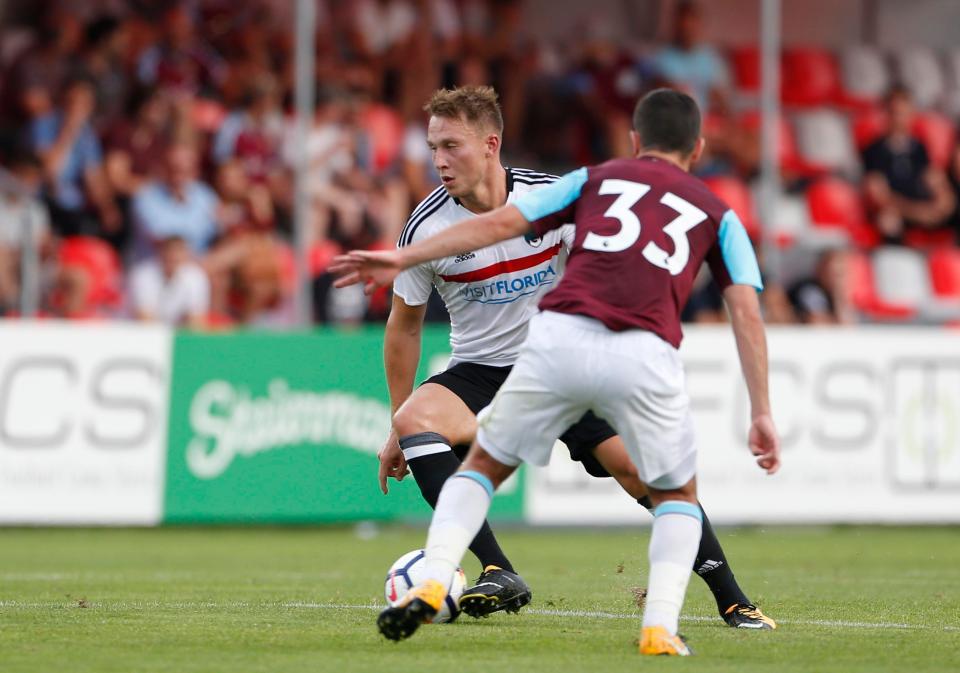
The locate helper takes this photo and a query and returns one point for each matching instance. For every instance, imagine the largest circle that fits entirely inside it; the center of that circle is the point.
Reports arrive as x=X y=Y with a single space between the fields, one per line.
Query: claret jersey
x=643 y=227
x=491 y=293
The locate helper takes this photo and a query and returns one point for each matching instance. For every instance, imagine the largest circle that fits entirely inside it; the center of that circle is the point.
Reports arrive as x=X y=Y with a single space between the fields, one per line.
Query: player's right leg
x=459 y=514
x=438 y=415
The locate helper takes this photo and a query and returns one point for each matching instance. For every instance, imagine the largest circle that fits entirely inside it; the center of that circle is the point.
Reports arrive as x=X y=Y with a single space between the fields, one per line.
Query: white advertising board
x=83 y=422
x=869 y=418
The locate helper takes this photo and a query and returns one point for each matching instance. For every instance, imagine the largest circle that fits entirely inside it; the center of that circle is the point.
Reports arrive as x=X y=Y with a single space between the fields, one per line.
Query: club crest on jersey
x=533 y=241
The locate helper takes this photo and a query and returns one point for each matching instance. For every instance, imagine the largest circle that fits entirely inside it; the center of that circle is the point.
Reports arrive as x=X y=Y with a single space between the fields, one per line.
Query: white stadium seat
x=864 y=72
x=919 y=69
x=902 y=277
x=824 y=138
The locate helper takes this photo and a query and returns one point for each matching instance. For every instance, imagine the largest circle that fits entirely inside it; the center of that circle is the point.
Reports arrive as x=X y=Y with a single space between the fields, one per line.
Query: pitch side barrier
x=126 y=424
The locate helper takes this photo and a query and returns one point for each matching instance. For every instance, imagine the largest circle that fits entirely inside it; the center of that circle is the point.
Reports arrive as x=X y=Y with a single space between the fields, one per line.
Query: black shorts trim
x=583 y=437
x=474 y=384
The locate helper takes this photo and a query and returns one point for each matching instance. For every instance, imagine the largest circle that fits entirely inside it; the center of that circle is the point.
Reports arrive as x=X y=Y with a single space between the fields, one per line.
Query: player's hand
x=392 y=462
x=765 y=443
x=373 y=268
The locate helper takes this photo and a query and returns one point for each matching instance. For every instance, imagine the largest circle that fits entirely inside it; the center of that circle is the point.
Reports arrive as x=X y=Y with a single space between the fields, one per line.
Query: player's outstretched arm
x=747 y=323
x=377 y=269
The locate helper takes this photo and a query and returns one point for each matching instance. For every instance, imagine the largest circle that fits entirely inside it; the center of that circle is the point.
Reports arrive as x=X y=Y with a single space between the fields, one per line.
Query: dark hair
x=668 y=121
x=101 y=29
x=897 y=90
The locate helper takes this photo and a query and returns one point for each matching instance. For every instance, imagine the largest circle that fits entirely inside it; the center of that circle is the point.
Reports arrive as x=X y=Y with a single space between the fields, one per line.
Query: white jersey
x=492 y=293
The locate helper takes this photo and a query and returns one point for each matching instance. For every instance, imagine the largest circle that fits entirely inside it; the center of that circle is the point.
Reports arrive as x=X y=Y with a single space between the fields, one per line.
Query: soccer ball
x=407 y=571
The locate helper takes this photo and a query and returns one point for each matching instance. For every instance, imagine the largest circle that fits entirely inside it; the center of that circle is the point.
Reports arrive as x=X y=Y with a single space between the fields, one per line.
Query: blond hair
x=476 y=104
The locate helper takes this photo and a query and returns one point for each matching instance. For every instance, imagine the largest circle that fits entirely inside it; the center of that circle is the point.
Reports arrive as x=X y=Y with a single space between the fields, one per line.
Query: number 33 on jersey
x=648 y=225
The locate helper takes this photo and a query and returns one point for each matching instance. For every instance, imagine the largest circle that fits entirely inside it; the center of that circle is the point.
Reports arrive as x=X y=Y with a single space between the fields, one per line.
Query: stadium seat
x=825 y=141
x=863 y=293
x=919 y=69
x=745 y=62
x=809 y=77
x=938 y=135
x=835 y=203
x=864 y=75
x=868 y=125
x=790 y=221
x=735 y=193
x=903 y=277
x=101 y=264
x=945 y=273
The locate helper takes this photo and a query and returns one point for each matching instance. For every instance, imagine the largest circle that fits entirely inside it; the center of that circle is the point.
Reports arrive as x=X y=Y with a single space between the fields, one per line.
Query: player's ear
x=698 y=150
x=493 y=144
x=635 y=143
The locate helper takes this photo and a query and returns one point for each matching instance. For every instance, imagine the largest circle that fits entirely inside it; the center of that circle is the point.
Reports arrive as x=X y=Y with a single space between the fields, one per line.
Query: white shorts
x=570 y=364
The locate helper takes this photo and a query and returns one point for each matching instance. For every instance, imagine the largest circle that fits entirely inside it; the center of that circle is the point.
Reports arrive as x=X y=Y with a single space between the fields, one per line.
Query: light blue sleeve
x=553 y=198
x=738 y=255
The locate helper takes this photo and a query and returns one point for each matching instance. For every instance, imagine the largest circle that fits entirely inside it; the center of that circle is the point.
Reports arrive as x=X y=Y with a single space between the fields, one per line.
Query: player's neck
x=669 y=157
x=489 y=194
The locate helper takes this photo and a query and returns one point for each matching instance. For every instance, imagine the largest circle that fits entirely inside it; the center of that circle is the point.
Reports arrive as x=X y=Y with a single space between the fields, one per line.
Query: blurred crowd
x=147 y=152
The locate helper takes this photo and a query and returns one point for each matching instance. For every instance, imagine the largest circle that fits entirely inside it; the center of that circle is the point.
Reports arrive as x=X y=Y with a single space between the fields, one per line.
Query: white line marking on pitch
x=588 y=614
x=689 y=618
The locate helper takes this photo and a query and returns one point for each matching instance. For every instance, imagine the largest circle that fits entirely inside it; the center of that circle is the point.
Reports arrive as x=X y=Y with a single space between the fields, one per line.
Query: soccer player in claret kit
x=606 y=341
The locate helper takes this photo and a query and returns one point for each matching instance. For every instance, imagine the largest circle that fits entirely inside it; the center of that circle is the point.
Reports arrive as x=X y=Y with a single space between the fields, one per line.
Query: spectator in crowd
x=135 y=146
x=689 y=64
x=177 y=205
x=170 y=288
x=76 y=186
x=107 y=40
x=254 y=133
x=825 y=297
x=902 y=188
x=181 y=61
x=43 y=68
x=23 y=219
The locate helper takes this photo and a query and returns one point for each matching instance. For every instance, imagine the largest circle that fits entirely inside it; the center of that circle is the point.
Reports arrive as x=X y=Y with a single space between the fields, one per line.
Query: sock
x=673 y=546
x=432 y=462
x=461 y=508
x=711 y=565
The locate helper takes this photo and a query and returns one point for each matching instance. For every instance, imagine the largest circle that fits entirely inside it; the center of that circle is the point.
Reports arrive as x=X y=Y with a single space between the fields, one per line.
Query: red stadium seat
x=868 y=125
x=810 y=77
x=737 y=195
x=945 y=273
x=101 y=265
x=938 y=135
x=835 y=203
x=746 y=68
x=863 y=292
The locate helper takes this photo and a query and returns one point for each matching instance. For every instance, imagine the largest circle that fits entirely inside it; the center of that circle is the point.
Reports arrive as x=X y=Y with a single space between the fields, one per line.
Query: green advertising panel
x=286 y=427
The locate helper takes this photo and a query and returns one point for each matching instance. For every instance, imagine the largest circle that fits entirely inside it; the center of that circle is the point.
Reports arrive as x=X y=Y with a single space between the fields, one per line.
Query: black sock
x=432 y=465
x=712 y=567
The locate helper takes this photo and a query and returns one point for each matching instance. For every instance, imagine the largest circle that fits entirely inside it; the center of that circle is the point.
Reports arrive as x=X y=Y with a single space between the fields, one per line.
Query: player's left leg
x=459 y=514
x=673 y=546
x=711 y=562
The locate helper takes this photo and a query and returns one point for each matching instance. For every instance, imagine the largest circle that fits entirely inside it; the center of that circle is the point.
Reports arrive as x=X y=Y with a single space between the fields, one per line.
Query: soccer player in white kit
x=607 y=341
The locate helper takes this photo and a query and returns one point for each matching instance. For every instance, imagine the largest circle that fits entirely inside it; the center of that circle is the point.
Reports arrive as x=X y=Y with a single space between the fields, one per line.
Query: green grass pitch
x=279 y=600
